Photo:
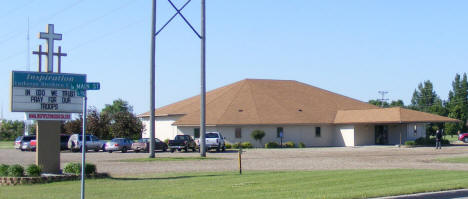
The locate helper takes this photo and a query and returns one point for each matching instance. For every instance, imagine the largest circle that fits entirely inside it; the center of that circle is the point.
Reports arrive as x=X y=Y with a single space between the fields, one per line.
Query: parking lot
x=324 y=158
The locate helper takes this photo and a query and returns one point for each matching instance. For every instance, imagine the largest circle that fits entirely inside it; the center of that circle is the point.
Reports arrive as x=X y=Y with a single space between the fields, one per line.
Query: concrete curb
x=432 y=195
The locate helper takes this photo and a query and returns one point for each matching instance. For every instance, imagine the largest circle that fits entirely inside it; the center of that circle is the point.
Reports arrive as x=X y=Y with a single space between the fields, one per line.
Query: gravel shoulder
x=321 y=158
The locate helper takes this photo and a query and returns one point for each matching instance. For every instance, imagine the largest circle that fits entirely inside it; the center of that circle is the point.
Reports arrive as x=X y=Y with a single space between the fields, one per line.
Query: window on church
x=196 y=132
x=279 y=132
x=318 y=132
x=238 y=132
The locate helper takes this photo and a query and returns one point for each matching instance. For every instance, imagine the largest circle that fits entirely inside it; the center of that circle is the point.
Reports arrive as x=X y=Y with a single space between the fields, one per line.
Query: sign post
x=50 y=96
x=81 y=89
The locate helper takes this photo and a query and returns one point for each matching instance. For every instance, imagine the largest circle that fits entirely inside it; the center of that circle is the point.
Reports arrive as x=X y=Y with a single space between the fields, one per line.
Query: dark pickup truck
x=182 y=142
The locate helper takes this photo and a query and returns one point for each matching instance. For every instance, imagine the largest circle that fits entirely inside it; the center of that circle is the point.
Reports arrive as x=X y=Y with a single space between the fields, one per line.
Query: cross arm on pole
x=173 y=16
x=186 y=21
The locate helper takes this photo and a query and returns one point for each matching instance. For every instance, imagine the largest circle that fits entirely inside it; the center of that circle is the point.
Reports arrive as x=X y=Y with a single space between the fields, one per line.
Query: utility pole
x=203 y=82
x=383 y=100
x=152 y=77
x=202 y=37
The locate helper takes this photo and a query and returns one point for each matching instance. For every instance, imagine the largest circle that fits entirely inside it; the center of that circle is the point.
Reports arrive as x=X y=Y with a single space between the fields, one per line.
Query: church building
x=295 y=111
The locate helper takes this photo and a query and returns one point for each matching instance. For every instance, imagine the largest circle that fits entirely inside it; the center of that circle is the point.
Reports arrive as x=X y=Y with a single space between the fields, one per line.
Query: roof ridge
x=254 y=101
x=341 y=95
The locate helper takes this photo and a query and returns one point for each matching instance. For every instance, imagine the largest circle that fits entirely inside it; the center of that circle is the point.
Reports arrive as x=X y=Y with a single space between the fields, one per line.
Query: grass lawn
x=454 y=160
x=157 y=159
x=451 y=138
x=226 y=185
x=7 y=145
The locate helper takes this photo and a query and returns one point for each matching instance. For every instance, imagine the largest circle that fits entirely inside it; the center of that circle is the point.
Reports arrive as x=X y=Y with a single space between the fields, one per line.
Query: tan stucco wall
x=331 y=135
x=296 y=134
x=420 y=131
x=364 y=135
x=163 y=127
x=344 y=135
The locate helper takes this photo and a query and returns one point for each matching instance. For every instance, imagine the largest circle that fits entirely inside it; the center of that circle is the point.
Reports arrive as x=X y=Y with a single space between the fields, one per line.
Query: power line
x=16 y=9
x=95 y=19
x=13 y=35
x=105 y=35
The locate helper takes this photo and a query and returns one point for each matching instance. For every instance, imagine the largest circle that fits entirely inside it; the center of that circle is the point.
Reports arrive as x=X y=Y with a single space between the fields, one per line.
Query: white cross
x=50 y=36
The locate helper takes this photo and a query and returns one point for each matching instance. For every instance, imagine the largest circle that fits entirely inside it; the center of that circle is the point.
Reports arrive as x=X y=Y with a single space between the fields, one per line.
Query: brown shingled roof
x=256 y=101
x=387 y=115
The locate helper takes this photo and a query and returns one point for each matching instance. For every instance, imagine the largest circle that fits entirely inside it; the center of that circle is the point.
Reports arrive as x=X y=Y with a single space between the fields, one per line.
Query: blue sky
x=354 y=48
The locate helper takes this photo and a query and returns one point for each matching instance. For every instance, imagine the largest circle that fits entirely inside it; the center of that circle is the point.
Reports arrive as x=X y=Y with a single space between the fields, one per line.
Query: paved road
x=454 y=194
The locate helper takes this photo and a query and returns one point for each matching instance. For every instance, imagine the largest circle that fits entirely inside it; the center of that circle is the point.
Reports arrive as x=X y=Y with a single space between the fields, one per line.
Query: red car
x=463 y=137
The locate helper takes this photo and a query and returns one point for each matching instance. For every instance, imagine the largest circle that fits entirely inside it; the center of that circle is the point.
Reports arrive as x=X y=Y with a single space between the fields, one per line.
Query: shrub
x=289 y=144
x=258 y=135
x=410 y=143
x=247 y=145
x=90 y=169
x=228 y=145
x=15 y=171
x=4 y=170
x=235 y=145
x=420 y=141
x=74 y=168
x=33 y=170
x=166 y=141
x=302 y=145
x=271 y=145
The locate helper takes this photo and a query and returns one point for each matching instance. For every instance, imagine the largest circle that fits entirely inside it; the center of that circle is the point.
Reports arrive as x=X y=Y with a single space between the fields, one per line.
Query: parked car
x=32 y=145
x=182 y=142
x=92 y=143
x=213 y=140
x=22 y=142
x=119 y=144
x=463 y=137
x=64 y=141
x=18 y=142
x=29 y=146
x=144 y=145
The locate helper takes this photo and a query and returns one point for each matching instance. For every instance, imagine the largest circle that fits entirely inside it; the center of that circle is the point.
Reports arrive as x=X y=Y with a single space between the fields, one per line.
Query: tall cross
x=40 y=53
x=50 y=36
x=59 y=55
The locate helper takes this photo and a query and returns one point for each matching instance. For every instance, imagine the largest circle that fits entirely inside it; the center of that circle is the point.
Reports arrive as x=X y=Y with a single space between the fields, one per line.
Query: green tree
x=73 y=126
x=378 y=103
x=10 y=129
x=98 y=124
x=126 y=125
x=258 y=135
x=396 y=103
x=457 y=104
x=117 y=106
x=425 y=99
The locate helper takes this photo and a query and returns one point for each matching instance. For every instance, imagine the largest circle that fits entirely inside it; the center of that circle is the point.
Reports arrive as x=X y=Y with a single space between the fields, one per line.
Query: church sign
x=45 y=92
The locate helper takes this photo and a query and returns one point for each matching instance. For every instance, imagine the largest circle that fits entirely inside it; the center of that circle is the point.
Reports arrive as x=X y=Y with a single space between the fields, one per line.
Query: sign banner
x=48 y=116
x=46 y=80
x=45 y=92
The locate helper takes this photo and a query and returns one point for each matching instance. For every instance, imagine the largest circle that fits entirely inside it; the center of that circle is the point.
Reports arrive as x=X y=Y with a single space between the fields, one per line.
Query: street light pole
x=83 y=148
x=152 y=77
x=203 y=83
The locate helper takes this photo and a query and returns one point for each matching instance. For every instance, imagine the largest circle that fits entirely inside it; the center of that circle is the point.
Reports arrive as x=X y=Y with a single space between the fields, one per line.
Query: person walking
x=438 y=139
